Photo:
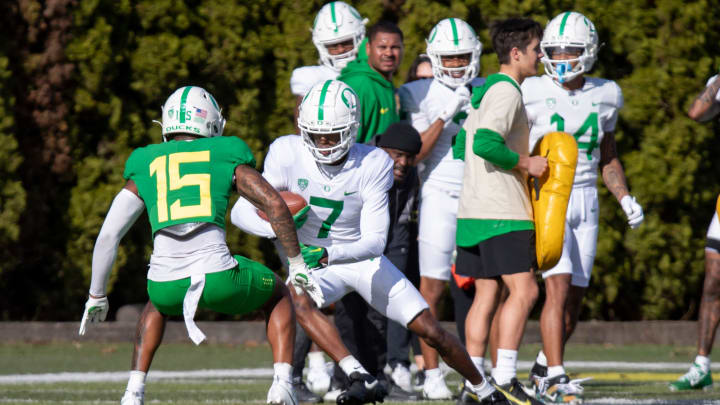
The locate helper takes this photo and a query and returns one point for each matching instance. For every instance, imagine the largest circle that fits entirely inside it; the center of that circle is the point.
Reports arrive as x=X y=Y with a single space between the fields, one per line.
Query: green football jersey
x=187 y=181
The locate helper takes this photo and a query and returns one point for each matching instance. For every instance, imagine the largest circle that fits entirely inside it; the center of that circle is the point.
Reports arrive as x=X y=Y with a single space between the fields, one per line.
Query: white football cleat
x=318 y=380
x=402 y=378
x=133 y=398
x=435 y=388
x=281 y=393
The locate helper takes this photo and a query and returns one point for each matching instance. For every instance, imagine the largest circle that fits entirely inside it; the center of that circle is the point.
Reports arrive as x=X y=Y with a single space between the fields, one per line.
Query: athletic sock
x=483 y=389
x=136 y=382
x=506 y=366
x=541 y=359
x=283 y=371
x=703 y=362
x=479 y=364
x=433 y=374
x=316 y=360
x=555 y=371
x=350 y=365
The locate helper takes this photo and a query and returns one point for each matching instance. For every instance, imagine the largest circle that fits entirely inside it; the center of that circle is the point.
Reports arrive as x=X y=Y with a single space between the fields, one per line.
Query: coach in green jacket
x=371 y=79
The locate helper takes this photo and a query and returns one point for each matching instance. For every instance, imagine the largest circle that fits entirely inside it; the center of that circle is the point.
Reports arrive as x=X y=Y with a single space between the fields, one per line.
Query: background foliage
x=82 y=80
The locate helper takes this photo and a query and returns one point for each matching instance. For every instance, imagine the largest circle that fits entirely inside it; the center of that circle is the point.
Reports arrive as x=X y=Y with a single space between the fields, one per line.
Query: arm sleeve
x=244 y=216
x=298 y=86
x=244 y=213
x=411 y=111
x=124 y=211
x=617 y=102
x=709 y=82
x=491 y=146
x=374 y=221
x=274 y=166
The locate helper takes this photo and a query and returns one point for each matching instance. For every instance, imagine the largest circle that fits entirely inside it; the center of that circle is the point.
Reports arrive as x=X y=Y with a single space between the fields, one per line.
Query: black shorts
x=713 y=244
x=509 y=253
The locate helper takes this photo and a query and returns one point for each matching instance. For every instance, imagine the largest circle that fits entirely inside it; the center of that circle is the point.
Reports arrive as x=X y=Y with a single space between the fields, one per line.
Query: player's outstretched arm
x=614 y=177
x=706 y=104
x=612 y=171
x=253 y=186
x=124 y=211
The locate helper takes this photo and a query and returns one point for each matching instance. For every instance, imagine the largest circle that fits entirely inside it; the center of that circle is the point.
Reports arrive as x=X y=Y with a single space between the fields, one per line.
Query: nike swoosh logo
x=512 y=398
x=371 y=386
x=350 y=193
x=594 y=104
x=384 y=110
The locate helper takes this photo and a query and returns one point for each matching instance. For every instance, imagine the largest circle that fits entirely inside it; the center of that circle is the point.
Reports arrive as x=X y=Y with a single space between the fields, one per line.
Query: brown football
x=295 y=203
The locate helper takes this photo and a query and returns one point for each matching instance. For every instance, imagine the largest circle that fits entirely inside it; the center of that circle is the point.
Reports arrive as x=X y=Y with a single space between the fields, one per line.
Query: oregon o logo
x=350 y=99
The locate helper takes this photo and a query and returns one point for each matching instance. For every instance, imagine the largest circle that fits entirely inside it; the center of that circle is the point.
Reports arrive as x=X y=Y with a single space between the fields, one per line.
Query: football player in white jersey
x=704 y=108
x=337 y=33
x=344 y=235
x=437 y=109
x=564 y=99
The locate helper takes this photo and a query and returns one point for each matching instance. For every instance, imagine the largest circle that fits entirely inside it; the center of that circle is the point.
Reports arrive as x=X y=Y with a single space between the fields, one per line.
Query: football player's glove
x=633 y=210
x=301 y=216
x=96 y=310
x=312 y=255
x=455 y=103
x=302 y=280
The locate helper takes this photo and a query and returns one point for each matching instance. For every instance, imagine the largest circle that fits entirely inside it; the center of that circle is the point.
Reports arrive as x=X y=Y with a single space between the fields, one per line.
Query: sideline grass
x=22 y=358
x=608 y=386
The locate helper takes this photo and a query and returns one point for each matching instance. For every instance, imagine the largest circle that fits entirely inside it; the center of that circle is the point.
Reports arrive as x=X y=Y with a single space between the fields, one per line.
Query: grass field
x=30 y=374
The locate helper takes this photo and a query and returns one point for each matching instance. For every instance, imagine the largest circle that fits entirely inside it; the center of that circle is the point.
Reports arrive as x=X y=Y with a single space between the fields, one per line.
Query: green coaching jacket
x=377 y=98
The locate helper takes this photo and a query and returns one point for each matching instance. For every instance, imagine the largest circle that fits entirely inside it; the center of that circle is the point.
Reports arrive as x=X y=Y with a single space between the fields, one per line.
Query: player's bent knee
x=427 y=328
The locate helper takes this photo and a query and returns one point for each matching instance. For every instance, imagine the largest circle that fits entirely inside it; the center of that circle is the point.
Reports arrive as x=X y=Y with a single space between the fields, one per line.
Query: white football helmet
x=453 y=36
x=337 y=22
x=329 y=107
x=192 y=110
x=569 y=31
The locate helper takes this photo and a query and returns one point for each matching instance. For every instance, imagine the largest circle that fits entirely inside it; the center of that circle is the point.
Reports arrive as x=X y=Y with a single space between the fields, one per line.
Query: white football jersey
x=423 y=101
x=348 y=212
x=587 y=114
x=303 y=78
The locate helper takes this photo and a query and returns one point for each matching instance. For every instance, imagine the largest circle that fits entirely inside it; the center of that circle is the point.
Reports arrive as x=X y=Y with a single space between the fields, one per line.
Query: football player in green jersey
x=184 y=185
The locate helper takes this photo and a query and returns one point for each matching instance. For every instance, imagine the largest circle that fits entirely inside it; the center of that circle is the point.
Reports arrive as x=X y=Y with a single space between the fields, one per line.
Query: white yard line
x=268 y=372
x=625 y=401
x=123 y=375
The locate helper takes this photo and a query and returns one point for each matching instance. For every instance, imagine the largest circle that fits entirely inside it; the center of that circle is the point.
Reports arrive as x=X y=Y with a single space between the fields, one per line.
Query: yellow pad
x=717 y=206
x=550 y=195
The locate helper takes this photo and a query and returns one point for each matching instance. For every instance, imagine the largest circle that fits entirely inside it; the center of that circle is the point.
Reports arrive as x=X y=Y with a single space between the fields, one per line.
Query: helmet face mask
x=461 y=64
x=569 y=33
x=191 y=110
x=329 y=110
x=335 y=23
x=452 y=37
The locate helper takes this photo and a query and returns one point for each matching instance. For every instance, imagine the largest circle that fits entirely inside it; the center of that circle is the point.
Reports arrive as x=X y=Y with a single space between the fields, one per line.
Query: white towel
x=190 y=304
